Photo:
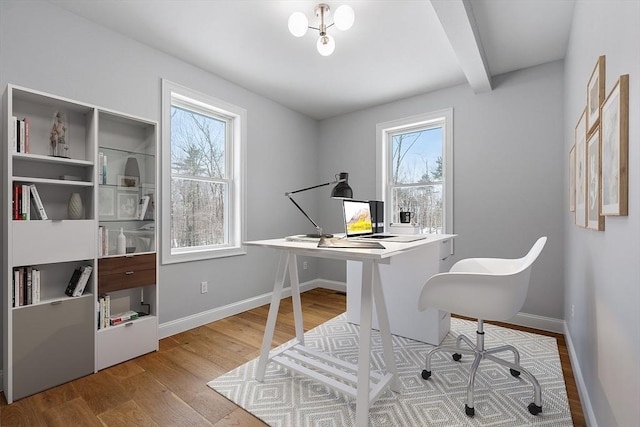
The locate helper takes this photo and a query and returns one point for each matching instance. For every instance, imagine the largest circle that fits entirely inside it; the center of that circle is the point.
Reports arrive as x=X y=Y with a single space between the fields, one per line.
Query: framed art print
x=572 y=179
x=580 y=171
x=614 y=128
x=594 y=220
x=595 y=94
x=106 y=202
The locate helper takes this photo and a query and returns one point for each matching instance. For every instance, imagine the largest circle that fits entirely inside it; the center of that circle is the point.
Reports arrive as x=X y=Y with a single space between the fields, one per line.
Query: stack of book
x=116 y=319
x=104 y=311
x=20 y=135
x=26 y=286
x=27 y=204
x=78 y=281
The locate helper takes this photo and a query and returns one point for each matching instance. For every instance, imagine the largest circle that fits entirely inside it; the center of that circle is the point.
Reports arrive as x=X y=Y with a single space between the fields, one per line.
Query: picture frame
x=127 y=205
x=126 y=182
x=580 y=170
x=595 y=94
x=572 y=178
x=614 y=129
x=106 y=202
x=594 y=220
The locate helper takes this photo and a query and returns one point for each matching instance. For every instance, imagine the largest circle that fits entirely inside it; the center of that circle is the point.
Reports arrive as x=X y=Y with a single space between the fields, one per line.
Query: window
x=415 y=170
x=203 y=149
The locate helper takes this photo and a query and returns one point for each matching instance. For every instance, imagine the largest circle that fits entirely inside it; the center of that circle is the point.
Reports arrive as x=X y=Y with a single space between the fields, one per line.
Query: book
x=104 y=169
x=26 y=135
x=42 y=214
x=17 y=189
x=21 y=287
x=142 y=207
x=16 y=287
x=73 y=282
x=22 y=136
x=14 y=134
x=28 y=293
x=104 y=309
x=36 y=286
x=26 y=202
x=116 y=319
x=100 y=171
x=83 y=280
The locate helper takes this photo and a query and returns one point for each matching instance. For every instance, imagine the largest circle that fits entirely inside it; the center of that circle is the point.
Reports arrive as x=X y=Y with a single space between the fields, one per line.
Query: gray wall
x=46 y=48
x=508 y=170
x=603 y=268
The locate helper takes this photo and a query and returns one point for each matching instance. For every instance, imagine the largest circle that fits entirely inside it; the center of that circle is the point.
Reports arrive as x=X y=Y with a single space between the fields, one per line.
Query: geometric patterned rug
x=286 y=399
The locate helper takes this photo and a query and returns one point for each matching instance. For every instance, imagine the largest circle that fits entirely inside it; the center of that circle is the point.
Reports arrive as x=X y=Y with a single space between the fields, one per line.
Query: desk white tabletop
x=312 y=249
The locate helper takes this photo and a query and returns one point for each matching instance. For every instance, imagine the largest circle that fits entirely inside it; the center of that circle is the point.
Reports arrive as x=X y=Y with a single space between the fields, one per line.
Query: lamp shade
x=344 y=17
x=342 y=190
x=326 y=45
x=298 y=24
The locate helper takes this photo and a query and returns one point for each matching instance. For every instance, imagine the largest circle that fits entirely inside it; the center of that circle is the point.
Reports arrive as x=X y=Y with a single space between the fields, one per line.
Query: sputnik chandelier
x=343 y=20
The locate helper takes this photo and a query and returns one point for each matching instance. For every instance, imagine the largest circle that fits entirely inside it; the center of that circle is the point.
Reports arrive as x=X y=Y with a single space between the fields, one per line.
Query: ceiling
x=396 y=48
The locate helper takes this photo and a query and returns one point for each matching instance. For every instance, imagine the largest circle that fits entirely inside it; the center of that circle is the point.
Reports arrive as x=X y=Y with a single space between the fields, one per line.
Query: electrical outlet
x=304 y=265
x=573 y=310
x=204 y=287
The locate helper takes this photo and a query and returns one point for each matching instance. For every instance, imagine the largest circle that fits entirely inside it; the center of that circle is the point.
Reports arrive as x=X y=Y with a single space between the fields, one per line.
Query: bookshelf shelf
x=51 y=159
x=50 y=337
x=47 y=181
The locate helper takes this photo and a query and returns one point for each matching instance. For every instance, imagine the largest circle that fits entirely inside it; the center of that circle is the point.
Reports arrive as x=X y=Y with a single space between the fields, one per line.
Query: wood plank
x=168 y=387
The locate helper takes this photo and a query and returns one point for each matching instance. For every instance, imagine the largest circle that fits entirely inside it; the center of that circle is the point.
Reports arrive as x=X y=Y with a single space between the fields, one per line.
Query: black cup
x=405 y=217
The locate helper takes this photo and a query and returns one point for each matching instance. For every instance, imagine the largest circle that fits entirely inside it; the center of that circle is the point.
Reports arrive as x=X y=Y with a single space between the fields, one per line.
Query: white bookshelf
x=57 y=339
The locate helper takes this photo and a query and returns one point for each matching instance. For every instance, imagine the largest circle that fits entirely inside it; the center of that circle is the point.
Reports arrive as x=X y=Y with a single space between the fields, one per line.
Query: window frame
x=384 y=134
x=235 y=153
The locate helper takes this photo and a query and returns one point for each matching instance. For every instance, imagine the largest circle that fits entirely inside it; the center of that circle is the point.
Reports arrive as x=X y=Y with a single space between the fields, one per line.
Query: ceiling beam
x=459 y=24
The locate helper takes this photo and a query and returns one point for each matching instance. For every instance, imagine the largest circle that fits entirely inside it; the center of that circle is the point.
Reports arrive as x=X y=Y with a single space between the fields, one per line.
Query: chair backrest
x=483 y=288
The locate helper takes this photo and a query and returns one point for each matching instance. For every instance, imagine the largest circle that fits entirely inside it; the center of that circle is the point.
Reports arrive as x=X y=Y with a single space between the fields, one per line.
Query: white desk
x=368 y=385
x=402 y=281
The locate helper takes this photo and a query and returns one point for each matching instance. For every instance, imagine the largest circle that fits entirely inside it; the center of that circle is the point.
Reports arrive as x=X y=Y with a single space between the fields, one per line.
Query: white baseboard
x=538 y=322
x=184 y=324
x=583 y=392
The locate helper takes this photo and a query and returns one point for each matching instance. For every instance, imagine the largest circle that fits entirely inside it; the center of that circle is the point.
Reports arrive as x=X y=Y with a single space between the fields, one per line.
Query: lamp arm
x=318 y=228
x=315 y=186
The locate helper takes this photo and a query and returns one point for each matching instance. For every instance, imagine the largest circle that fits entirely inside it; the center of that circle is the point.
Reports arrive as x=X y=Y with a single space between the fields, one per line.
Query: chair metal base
x=480 y=353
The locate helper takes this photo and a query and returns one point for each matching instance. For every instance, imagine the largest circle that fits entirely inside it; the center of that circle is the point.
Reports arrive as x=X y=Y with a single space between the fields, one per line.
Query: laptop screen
x=357 y=218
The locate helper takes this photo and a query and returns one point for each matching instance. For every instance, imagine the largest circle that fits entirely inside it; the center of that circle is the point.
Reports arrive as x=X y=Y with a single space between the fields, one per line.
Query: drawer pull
x=56 y=303
x=128 y=324
x=128 y=273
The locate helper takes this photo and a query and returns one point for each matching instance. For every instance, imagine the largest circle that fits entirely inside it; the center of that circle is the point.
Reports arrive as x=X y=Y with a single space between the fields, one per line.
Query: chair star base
x=480 y=353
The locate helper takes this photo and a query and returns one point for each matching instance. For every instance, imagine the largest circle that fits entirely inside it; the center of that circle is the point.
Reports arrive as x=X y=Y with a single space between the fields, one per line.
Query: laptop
x=358 y=225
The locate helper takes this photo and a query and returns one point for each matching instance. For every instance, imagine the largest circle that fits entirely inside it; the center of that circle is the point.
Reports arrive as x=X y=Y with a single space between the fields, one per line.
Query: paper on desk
x=341 y=242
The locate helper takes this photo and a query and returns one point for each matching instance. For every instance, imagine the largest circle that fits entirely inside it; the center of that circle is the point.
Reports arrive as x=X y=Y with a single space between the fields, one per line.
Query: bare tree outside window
x=199 y=182
x=417 y=177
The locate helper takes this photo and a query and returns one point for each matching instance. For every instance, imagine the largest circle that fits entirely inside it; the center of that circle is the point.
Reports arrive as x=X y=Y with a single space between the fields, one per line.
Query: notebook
x=358 y=225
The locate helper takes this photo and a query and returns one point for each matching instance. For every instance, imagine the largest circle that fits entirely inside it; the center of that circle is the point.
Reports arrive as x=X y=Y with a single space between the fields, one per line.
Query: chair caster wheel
x=457 y=357
x=469 y=411
x=426 y=374
x=534 y=409
x=514 y=372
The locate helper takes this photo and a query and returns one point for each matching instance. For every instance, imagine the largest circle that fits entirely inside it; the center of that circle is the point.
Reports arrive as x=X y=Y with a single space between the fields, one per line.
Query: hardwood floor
x=168 y=387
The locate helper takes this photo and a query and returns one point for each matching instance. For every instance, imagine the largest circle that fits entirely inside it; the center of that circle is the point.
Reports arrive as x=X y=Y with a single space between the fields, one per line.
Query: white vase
x=121 y=243
x=75 y=208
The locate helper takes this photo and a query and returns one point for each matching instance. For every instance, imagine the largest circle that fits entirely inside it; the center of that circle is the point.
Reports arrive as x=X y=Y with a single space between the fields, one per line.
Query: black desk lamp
x=340 y=191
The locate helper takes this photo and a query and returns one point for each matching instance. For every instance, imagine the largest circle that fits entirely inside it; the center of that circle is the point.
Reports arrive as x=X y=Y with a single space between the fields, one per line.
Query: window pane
x=197 y=213
x=417 y=156
x=197 y=144
x=425 y=203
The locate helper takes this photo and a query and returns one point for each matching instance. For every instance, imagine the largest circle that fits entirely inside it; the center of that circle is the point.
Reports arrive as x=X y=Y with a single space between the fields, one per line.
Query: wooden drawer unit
x=125 y=272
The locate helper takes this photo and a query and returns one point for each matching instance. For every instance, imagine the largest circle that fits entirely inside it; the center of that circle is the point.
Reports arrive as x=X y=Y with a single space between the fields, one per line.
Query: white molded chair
x=485 y=289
